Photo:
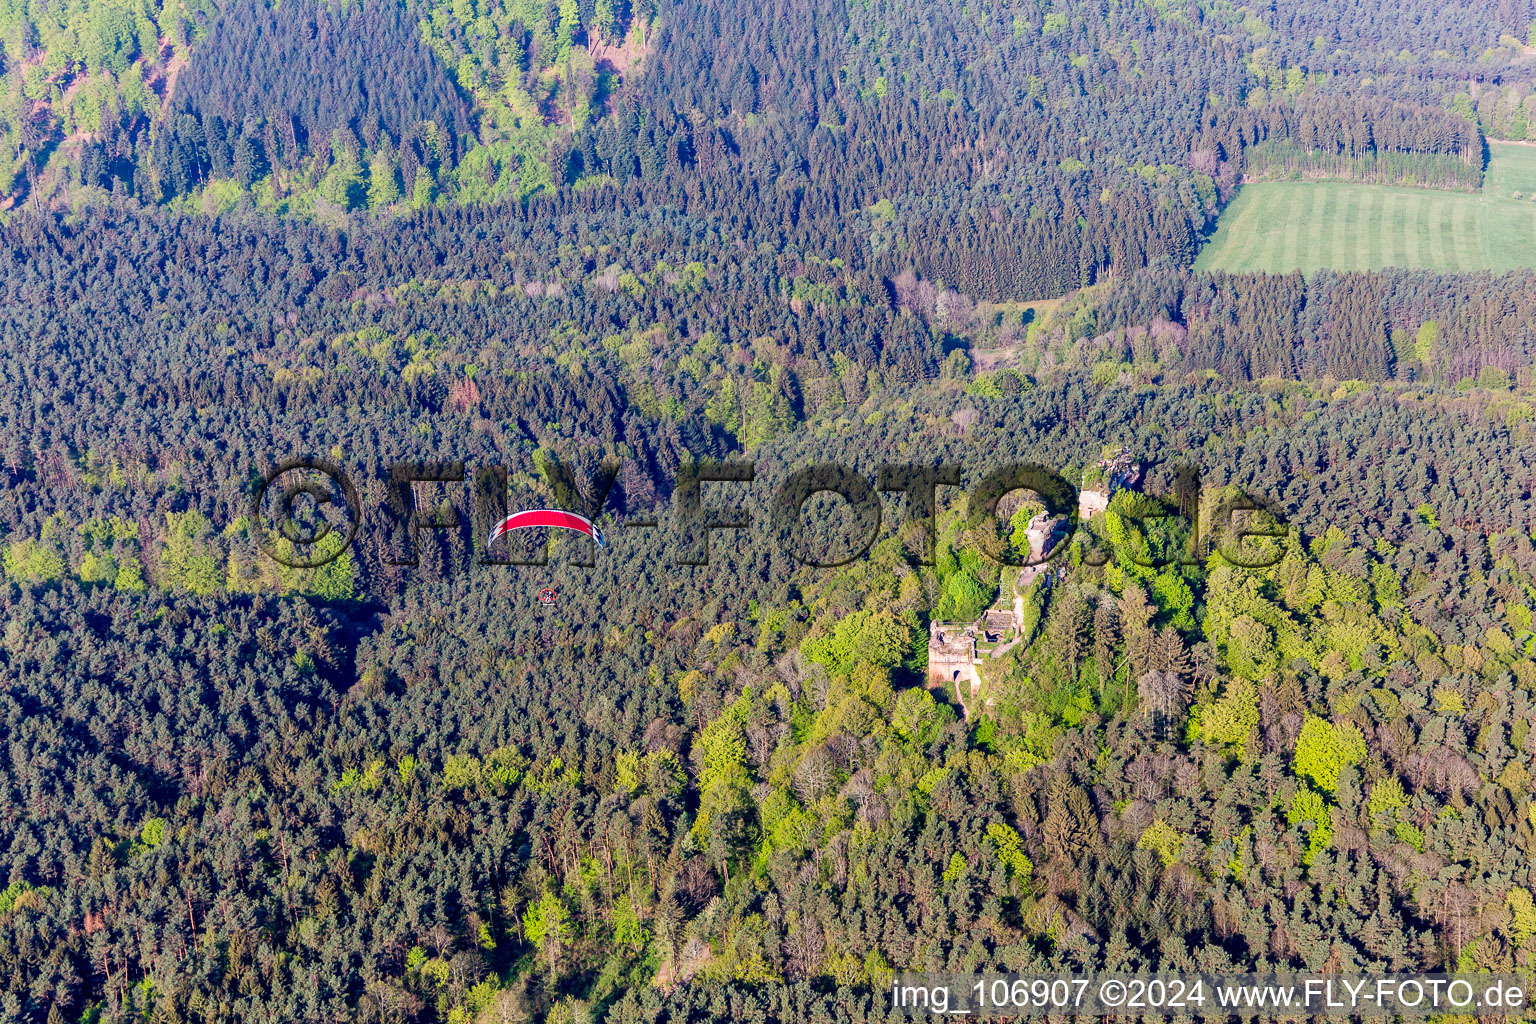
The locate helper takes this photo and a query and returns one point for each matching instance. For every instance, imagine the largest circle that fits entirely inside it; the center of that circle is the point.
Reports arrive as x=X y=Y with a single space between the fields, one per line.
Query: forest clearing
x=1280 y=226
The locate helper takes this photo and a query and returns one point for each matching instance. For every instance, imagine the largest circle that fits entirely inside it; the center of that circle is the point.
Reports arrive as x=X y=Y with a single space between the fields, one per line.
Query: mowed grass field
x=1307 y=226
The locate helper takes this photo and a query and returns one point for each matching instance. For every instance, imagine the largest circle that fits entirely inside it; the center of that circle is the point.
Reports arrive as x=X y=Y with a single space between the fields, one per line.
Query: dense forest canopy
x=258 y=66
x=554 y=242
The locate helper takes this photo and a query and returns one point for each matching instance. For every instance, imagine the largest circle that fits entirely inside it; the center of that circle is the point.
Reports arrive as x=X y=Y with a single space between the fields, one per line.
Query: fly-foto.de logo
x=308 y=512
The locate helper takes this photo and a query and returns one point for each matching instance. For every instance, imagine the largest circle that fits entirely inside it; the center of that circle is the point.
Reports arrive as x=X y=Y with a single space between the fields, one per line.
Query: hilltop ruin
x=955 y=649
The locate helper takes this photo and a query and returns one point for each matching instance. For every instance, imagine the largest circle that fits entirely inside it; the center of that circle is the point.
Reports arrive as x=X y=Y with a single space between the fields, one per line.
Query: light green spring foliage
x=862 y=638
x=998 y=384
x=130 y=576
x=721 y=754
x=96 y=568
x=1522 y=914
x=383 y=182
x=30 y=561
x=9 y=895
x=424 y=189
x=1034 y=607
x=968 y=580
x=1164 y=840
x=753 y=410
x=1425 y=340
x=1018 y=527
x=1386 y=587
x=247 y=571
x=1305 y=607
x=919 y=718
x=1147 y=556
x=22 y=894
x=787 y=825
x=1410 y=834
x=658 y=772
x=1010 y=850
x=369 y=779
x=1324 y=749
x=1387 y=798
x=153 y=832
x=406 y=767
x=112 y=528
x=185 y=563
x=627 y=771
x=546 y=919
x=627 y=929
x=336 y=580
x=1229 y=721
x=1309 y=806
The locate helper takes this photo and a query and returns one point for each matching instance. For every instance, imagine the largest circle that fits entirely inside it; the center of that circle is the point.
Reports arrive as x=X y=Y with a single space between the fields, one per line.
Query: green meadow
x=1309 y=226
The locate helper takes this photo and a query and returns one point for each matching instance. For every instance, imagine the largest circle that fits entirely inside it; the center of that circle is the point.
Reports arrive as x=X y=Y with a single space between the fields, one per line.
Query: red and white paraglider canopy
x=547 y=518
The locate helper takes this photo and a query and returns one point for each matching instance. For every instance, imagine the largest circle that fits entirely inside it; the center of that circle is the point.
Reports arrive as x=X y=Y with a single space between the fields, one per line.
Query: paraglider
x=546 y=517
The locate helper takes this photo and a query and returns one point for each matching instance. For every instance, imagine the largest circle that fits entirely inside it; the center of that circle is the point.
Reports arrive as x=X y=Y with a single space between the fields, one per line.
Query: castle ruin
x=955 y=649
x=1117 y=470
